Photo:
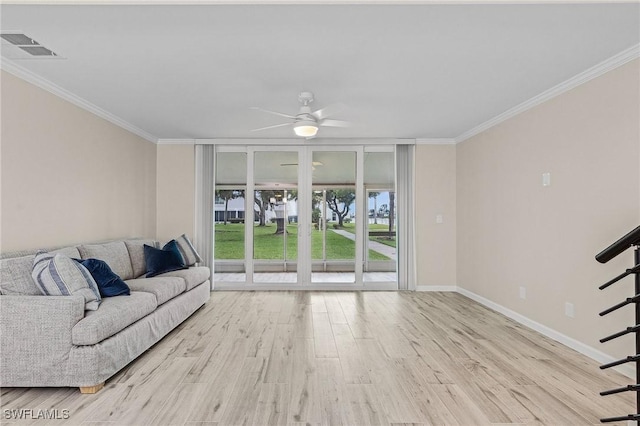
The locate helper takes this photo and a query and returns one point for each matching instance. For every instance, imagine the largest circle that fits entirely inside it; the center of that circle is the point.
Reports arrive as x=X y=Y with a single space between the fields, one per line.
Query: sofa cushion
x=188 y=252
x=114 y=314
x=15 y=276
x=59 y=275
x=193 y=276
x=163 y=260
x=67 y=251
x=164 y=289
x=15 y=273
x=136 y=254
x=109 y=283
x=115 y=254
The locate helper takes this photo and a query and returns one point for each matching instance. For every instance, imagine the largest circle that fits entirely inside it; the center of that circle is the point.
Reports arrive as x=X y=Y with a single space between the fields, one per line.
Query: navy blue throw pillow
x=109 y=283
x=163 y=260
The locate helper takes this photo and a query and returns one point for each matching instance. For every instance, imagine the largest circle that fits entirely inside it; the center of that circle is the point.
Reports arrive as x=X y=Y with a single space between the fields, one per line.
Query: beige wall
x=69 y=176
x=436 y=195
x=176 y=191
x=514 y=232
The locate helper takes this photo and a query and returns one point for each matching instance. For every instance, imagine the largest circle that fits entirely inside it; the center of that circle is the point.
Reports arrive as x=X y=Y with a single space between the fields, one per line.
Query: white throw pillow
x=59 y=275
x=188 y=252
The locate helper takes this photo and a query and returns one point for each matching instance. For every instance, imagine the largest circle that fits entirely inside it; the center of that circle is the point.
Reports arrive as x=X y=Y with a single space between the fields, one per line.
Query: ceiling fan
x=306 y=122
x=314 y=164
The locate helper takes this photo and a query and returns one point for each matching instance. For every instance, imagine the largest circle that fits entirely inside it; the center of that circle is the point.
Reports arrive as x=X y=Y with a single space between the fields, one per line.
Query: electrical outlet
x=438 y=218
x=523 y=293
x=546 y=179
x=568 y=310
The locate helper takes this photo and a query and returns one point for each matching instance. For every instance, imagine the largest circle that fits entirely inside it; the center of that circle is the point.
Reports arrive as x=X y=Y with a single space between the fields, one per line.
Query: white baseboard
x=236 y=286
x=574 y=344
x=436 y=288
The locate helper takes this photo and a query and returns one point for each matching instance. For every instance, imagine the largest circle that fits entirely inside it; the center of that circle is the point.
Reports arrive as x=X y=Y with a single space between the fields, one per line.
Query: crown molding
x=24 y=74
x=303 y=142
x=176 y=141
x=603 y=67
x=435 y=141
x=301 y=2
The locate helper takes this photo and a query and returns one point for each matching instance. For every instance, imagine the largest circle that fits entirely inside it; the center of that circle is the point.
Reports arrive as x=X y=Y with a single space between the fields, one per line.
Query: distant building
x=236 y=212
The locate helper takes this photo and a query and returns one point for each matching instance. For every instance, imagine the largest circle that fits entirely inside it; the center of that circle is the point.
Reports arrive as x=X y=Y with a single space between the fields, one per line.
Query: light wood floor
x=355 y=358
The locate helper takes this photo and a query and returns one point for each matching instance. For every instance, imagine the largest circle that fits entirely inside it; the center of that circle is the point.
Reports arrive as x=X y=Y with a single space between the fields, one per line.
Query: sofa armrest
x=35 y=337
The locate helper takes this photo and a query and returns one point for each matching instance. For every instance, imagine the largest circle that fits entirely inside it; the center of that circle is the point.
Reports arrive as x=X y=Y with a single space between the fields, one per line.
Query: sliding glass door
x=333 y=241
x=301 y=217
x=380 y=236
x=275 y=229
x=230 y=216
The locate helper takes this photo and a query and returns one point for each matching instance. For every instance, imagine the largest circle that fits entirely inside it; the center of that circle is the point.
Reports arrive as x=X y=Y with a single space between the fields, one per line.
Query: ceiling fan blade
x=328 y=111
x=271 y=127
x=274 y=112
x=335 y=123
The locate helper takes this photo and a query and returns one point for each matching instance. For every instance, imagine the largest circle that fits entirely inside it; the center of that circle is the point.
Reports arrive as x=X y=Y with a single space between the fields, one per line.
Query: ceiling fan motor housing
x=306 y=124
x=305 y=115
x=305 y=98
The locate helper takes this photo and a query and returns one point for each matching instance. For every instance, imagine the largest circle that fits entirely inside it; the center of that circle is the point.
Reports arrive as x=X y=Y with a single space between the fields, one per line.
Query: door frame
x=249 y=205
x=304 y=224
x=360 y=206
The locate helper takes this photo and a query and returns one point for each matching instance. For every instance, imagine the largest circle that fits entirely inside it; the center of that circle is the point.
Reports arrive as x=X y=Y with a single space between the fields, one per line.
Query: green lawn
x=389 y=241
x=267 y=245
x=229 y=244
x=229 y=241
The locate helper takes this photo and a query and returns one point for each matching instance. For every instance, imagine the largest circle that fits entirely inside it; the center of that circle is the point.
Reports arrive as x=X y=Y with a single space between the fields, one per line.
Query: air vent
x=27 y=44
x=19 y=39
x=37 y=50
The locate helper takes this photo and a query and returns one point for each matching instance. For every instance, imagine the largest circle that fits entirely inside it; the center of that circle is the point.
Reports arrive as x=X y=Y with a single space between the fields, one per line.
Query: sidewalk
x=383 y=249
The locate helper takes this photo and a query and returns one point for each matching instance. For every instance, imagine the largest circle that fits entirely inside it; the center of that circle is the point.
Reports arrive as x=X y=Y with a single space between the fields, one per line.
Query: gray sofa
x=52 y=341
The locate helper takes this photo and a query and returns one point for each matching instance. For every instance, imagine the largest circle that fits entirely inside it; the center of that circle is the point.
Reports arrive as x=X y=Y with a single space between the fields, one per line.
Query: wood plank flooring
x=343 y=358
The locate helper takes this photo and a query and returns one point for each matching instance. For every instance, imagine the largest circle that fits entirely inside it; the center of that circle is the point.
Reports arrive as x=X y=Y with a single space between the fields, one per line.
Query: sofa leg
x=91 y=389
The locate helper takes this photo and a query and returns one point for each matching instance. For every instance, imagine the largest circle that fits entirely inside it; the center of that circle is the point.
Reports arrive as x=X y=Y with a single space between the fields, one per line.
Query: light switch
x=569 y=310
x=438 y=218
x=523 y=293
x=546 y=179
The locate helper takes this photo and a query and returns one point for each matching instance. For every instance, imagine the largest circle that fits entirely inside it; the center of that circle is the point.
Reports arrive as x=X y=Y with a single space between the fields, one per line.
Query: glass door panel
x=275 y=230
x=229 y=217
x=379 y=180
x=333 y=235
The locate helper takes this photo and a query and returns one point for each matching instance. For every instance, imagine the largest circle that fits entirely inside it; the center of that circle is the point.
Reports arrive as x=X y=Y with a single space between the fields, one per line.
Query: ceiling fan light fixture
x=305 y=128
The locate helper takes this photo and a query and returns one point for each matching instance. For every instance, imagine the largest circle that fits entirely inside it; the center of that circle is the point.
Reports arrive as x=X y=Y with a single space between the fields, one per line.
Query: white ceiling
x=404 y=71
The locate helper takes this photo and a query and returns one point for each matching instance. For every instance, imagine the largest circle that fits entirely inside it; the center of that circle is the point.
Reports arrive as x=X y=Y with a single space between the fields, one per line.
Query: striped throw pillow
x=60 y=275
x=188 y=252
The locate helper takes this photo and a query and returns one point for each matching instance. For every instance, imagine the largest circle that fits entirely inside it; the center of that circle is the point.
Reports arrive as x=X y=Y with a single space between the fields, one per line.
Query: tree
x=392 y=207
x=316 y=213
x=291 y=194
x=374 y=195
x=262 y=199
x=226 y=195
x=339 y=201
